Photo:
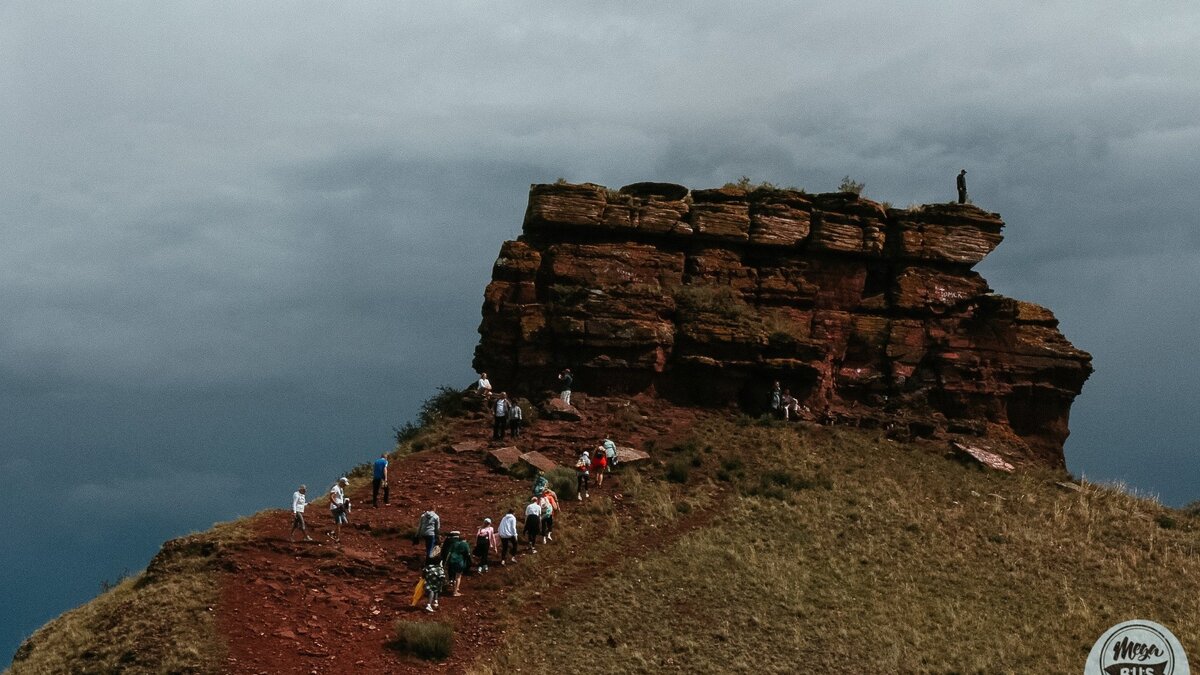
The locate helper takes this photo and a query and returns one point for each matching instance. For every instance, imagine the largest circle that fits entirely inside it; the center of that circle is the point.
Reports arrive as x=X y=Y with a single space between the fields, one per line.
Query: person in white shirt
x=339 y=506
x=533 y=522
x=484 y=386
x=298 y=502
x=501 y=417
x=508 y=536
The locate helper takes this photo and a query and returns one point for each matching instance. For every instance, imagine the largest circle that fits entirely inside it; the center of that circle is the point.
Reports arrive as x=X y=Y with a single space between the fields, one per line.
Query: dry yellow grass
x=877 y=557
x=160 y=621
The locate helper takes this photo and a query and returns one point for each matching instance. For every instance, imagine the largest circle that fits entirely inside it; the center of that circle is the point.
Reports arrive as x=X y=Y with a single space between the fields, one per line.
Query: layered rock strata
x=869 y=315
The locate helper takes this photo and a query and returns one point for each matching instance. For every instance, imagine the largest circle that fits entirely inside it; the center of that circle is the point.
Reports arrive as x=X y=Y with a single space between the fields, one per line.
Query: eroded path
x=321 y=607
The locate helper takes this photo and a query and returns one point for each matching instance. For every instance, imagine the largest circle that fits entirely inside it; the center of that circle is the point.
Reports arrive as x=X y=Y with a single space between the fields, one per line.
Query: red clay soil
x=321 y=607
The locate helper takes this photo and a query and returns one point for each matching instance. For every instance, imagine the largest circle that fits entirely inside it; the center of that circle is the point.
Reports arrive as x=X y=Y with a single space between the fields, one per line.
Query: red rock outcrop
x=869 y=315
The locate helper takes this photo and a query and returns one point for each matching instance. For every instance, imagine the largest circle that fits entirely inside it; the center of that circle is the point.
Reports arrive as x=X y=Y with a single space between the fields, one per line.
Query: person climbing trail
x=599 y=464
x=499 y=417
x=339 y=508
x=583 y=467
x=457 y=554
x=508 y=536
x=610 y=451
x=299 y=501
x=547 y=521
x=485 y=543
x=435 y=578
x=516 y=418
x=539 y=483
x=428 y=528
x=379 y=479
x=533 y=523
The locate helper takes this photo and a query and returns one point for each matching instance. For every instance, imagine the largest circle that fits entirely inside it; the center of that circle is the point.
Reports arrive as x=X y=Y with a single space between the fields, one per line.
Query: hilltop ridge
x=872 y=316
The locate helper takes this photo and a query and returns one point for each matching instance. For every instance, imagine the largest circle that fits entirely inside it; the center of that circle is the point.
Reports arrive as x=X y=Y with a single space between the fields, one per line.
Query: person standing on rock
x=457 y=554
x=379 y=479
x=500 y=416
x=565 y=380
x=508 y=536
x=484 y=386
x=533 y=523
x=516 y=417
x=961 y=184
x=583 y=466
x=428 y=528
x=777 y=400
x=485 y=542
x=339 y=506
x=299 y=500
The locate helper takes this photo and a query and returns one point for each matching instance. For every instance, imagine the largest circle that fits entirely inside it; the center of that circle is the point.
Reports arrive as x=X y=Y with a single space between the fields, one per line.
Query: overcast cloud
x=242 y=240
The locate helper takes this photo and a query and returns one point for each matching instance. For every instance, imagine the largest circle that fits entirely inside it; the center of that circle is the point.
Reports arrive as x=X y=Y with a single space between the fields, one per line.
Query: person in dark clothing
x=962 y=186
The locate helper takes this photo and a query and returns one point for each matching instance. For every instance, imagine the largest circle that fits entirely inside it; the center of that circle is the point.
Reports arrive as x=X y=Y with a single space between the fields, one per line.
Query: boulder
x=539 y=461
x=556 y=409
x=503 y=458
x=630 y=455
x=467 y=446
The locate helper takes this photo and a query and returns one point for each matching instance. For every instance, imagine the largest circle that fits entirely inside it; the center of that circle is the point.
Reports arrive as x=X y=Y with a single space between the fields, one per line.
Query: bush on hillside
x=426 y=639
x=562 y=481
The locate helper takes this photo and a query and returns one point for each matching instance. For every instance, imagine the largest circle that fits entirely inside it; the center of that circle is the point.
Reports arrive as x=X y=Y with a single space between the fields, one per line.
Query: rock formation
x=869 y=315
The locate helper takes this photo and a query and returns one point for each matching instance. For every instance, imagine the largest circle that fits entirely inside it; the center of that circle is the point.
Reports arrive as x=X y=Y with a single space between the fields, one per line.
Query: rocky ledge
x=871 y=316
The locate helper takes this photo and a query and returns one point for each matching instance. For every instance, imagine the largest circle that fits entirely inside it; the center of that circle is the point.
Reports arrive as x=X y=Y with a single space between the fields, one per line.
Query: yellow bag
x=418 y=592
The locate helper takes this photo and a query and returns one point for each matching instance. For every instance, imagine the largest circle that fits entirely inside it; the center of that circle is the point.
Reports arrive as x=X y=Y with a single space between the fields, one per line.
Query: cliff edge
x=871 y=316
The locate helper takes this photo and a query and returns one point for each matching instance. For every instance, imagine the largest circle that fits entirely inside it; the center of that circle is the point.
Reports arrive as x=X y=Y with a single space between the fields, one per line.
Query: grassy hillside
x=841 y=551
x=748 y=547
x=160 y=621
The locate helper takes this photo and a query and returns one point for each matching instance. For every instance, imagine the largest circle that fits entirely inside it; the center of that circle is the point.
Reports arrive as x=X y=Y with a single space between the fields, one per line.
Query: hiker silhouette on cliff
x=961 y=182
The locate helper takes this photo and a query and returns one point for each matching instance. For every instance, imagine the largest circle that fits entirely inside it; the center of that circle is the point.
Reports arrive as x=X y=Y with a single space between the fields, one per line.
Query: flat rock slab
x=539 y=461
x=984 y=457
x=467 y=446
x=504 y=458
x=556 y=409
x=631 y=456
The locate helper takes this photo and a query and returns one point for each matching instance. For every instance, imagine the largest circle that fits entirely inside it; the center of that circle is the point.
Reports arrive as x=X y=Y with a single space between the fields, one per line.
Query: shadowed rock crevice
x=872 y=316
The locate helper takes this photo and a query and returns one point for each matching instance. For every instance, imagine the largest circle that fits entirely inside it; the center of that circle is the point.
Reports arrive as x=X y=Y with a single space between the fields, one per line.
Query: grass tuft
x=425 y=639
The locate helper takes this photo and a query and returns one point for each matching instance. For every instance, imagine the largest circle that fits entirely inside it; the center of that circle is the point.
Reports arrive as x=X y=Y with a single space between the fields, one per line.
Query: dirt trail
x=321 y=607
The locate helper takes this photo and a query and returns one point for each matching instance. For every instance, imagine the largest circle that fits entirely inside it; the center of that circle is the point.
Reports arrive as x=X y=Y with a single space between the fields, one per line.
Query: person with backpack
x=539 y=483
x=508 y=536
x=547 y=522
x=485 y=542
x=456 y=552
x=428 y=528
x=599 y=464
x=610 y=451
x=533 y=523
x=583 y=466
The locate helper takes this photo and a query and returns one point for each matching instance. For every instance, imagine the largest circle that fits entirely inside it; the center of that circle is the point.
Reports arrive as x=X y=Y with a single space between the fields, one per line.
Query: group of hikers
x=447 y=562
x=787 y=407
x=448 y=558
x=339 y=503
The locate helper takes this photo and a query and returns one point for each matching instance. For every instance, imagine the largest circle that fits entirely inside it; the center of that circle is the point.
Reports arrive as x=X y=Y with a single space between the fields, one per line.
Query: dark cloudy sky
x=239 y=241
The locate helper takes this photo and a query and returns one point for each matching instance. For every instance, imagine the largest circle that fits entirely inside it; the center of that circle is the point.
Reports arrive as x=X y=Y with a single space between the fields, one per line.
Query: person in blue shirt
x=380 y=480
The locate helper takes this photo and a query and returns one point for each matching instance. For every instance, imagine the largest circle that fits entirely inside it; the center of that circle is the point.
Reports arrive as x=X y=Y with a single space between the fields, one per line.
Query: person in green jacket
x=457 y=554
x=540 y=483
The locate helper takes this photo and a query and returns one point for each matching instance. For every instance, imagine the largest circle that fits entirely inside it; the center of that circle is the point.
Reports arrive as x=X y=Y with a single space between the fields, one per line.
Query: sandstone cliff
x=869 y=315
